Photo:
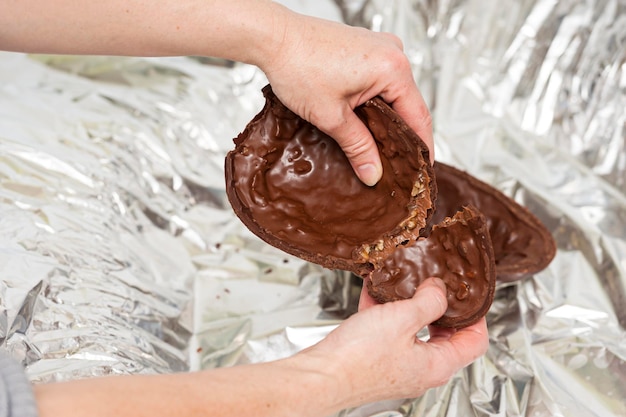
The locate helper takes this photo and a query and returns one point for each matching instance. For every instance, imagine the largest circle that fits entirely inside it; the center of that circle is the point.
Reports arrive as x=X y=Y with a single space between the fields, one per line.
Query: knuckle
x=395 y=39
x=396 y=61
x=331 y=122
x=345 y=130
x=355 y=146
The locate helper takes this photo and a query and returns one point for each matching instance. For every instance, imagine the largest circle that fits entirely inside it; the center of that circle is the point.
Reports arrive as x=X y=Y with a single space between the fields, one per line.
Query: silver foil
x=119 y=253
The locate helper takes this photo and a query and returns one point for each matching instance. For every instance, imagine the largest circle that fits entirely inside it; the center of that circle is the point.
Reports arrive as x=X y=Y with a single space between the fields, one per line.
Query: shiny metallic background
x=120 y=254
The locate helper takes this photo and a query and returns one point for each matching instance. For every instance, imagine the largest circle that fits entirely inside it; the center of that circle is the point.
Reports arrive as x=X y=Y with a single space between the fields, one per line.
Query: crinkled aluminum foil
x=120 y=254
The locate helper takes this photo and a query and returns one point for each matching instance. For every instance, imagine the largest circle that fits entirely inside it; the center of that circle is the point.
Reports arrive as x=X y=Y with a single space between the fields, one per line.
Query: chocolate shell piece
x=459 y=252
x=293 y=186
x=522 y=245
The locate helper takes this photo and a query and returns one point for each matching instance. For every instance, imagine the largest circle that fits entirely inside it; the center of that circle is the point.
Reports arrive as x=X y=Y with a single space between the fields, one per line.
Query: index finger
x=410 y=105
x=463 y=346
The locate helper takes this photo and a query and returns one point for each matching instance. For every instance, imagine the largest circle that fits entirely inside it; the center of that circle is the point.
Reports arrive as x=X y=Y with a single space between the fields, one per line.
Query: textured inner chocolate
x=521 y=243
x=293 y=186
x=459 y=252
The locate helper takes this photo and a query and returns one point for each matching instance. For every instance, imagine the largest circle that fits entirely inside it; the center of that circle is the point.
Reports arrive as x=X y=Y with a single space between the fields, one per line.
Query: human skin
x=373 y=355
x=320 y=69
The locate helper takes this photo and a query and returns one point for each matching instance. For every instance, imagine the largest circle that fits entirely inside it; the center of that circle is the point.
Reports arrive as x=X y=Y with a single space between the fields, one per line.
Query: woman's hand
x=322 y=70
x=375 y=354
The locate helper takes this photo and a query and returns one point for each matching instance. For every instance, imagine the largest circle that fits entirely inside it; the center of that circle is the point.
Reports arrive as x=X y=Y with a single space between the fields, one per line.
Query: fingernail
x=369 y=173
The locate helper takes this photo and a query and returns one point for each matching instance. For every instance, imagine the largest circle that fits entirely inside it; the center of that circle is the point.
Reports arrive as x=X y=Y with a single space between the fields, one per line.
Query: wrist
x=323 y=380
x=269 y=38
x=248 y=31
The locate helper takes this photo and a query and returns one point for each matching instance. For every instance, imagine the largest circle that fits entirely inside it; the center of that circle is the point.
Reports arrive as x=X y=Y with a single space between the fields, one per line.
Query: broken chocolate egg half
x=458 y=250
x=522 y=244
x=292 y=186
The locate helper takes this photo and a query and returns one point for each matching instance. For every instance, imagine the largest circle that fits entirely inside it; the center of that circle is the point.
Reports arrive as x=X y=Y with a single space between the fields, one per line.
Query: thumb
x=359 y=146
x=365 y=299
x=428 y=303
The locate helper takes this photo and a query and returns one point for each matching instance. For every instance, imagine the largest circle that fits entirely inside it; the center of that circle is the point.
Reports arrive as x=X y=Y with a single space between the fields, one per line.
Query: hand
x=320 y=69
x=323 y=70
x=379 y=356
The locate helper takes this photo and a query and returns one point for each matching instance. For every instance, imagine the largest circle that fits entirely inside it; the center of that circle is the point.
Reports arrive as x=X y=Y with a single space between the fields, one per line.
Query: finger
x=410 y=105
x=463 y=346
x=366 y=300
x=394 y=38
x=438 y=332
x=476 y=335
x=441 y=333
x=359 y=146
x=454 y=353
x=428 y=303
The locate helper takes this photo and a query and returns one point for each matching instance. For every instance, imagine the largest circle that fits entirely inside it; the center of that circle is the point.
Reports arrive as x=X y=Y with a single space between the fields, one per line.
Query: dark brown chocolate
x=522 y=245
x=459 y=252
x=293 y=186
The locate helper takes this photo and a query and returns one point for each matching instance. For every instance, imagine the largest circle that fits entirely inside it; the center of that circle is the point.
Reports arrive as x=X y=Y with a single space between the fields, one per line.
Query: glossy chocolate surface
x=459 y=252
x=292 y=185
x=522 y=244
